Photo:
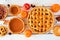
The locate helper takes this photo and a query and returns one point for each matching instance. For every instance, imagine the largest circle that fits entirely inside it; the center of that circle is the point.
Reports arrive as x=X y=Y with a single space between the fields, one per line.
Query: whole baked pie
x=3 y=11
x=40 y=20
x=3 y=30
x=16 y=25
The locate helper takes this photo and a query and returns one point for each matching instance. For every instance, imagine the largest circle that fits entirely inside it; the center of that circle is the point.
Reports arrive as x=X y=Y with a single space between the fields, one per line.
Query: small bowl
x=14 y=10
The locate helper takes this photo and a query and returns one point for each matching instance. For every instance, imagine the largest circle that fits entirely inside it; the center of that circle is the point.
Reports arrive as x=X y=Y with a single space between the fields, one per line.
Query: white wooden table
x=33 y=37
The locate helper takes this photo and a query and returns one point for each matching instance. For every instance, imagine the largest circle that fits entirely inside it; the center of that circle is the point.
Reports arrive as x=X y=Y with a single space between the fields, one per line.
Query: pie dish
x=3 y=30
x=3 y=11
x=16 y=25
x=40 y=20
x=14 y=10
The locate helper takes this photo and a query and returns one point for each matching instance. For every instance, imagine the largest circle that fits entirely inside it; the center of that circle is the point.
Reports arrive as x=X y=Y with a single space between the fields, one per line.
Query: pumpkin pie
x=16 y=25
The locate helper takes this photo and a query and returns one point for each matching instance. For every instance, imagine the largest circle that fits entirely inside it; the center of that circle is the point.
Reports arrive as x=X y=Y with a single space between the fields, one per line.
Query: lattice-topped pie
x=40 y=20
x=3 y=30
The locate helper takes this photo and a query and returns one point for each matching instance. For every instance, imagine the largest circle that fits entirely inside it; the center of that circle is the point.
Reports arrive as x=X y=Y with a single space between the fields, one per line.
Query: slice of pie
x=40 y=20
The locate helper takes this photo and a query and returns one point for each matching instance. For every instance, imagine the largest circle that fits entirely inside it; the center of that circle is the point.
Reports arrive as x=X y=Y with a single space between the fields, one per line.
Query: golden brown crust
x=40 y=20
x=3 y=30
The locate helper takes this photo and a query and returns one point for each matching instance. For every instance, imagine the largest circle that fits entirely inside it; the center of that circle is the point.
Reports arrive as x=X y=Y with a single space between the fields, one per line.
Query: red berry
x=26 y=6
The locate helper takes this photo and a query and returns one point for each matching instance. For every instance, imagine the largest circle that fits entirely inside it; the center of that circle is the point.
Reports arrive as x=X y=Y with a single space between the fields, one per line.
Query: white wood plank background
x=33 y=37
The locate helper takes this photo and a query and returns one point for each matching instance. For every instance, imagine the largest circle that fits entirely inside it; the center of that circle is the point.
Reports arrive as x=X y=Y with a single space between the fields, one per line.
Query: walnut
x=58 y=18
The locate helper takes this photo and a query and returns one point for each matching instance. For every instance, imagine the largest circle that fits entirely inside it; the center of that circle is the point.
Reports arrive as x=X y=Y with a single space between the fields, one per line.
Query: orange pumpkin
x=55 y=7
x=28 y=33
x=24 y=14
x=56 y=31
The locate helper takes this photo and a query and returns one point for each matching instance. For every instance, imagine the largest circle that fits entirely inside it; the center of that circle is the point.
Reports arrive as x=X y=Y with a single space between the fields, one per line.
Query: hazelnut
x=9 y=33
x=8 y=5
